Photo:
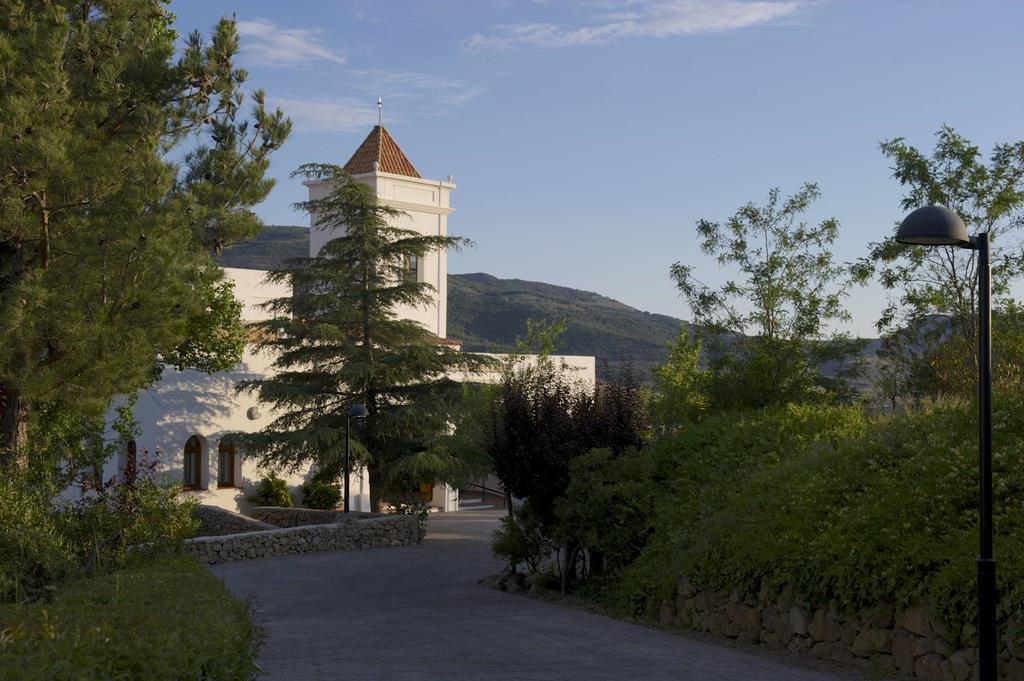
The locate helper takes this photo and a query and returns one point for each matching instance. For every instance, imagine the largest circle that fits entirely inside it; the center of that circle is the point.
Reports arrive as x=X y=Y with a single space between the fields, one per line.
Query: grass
x=168 y=618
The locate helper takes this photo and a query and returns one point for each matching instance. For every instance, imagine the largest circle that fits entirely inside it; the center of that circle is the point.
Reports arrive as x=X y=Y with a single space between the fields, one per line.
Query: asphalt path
x=418 y=612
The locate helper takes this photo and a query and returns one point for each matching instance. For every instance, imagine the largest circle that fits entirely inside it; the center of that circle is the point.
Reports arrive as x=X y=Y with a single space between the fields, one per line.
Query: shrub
x=608 y=508
x=701 y=467
x=320 y=494
x=168 y=619
x=271 y=491
x=842 y=507
x=43 y=542
x=522 y=539
x=33 y=548
x=140 y=518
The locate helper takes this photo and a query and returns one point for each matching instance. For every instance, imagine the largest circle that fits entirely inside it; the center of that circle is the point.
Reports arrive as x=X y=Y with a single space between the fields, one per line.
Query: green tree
x=338 y=342
x=125 y=163
x=930 y=322
x=768 y=330
x=680 y=383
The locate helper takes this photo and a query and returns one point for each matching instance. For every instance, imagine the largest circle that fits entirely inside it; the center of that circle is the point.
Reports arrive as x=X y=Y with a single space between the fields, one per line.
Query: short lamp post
x=938 y=226
x=356 y=411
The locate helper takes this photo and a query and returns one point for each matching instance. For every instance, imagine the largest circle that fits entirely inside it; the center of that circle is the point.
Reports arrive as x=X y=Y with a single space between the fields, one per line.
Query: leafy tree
x=931 y=321
x=680 y=383
x=338 y=342
x=124 y=165
x=541 y=422
x=767 y=331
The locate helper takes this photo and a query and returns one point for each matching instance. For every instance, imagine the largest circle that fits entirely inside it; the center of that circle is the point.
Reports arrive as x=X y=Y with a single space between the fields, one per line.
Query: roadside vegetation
x=749 y=469
x=130 y=156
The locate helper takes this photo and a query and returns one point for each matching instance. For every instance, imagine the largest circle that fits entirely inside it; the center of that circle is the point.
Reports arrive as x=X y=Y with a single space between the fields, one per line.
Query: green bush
x=320 y=494
x=43 y=542
x=168 y=619
x=271 y=491
x=846 y=508
x=34 y=550
x=608 y=507
x=522 y=539
x=129 y=520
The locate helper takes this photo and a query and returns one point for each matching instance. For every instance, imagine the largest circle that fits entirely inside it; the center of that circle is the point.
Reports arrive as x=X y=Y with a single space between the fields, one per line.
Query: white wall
x=187 y=403
x=580 y=369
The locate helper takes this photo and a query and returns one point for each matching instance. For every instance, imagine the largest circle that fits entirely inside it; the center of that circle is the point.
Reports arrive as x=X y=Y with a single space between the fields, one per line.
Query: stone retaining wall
x=378 y=532
x=910 y=641
x=214 y=521
x=297 y=517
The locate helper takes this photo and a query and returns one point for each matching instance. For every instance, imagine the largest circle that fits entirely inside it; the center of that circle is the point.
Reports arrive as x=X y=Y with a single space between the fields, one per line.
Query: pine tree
x=338 y=342
x=123 y=165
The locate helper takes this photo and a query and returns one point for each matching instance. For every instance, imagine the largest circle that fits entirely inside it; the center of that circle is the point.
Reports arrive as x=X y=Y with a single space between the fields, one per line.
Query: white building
x=186 y=420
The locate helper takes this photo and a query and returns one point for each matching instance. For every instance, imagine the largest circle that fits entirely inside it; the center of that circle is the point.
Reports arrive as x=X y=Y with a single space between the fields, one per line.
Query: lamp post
x=938 y=226
x=356 y=411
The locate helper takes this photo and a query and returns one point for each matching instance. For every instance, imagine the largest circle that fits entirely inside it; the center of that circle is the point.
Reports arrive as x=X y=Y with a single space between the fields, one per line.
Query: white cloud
x=633 y=18
x=327 y=115
x=411 y=85
x=264 y=42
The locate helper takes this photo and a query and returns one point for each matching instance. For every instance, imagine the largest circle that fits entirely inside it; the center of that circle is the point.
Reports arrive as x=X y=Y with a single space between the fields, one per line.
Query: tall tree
x=930 y=322
x=338 y=342
x=124 y=163
x=768 y=330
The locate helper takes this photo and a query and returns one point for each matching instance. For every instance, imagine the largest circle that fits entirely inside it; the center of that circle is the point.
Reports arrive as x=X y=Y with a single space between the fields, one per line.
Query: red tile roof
x=381 y=148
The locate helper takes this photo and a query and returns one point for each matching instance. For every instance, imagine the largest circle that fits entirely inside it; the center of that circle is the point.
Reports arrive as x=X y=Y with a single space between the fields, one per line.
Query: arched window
x=192 y=478
x=226 y=462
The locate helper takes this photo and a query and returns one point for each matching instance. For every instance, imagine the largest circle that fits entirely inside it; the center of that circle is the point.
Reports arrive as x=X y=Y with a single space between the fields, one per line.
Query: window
x=411 y=268
x=226 y=463
x=193 y=460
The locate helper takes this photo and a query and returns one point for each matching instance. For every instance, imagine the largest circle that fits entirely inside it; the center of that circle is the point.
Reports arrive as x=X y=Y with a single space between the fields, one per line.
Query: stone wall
x=369 y=533
x=296 y=517
x=214 y=521
x=909 y=641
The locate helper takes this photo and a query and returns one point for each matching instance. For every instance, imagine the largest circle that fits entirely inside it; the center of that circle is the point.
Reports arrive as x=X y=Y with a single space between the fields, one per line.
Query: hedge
x=165 y=619
x=840 y=505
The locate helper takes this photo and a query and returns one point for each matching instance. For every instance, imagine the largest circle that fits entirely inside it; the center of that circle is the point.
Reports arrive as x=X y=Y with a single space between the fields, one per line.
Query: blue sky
x=587 y=137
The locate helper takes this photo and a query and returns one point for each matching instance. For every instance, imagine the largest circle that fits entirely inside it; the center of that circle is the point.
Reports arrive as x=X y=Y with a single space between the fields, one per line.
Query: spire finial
x=380 y=115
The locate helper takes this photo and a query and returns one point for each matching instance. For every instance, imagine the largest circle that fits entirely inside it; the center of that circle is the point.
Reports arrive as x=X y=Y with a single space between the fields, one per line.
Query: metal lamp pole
x=987 y=653
x=939 y=226
x=356 y=411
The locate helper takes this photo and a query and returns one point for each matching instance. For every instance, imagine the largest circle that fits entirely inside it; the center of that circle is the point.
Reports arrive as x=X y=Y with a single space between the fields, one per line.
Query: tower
x=425 y=204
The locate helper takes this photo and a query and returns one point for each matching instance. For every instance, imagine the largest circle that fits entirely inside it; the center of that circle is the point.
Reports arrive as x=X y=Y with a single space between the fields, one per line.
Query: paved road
x=417 y=612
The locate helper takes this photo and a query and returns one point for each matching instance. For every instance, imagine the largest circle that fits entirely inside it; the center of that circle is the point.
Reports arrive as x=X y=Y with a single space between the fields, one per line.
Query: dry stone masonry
x=367 y=533
x=910 y=641
x=295 y=517
x=214 y=521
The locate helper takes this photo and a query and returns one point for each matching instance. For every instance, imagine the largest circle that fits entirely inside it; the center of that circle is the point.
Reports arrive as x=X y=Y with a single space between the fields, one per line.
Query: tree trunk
x=13 y=427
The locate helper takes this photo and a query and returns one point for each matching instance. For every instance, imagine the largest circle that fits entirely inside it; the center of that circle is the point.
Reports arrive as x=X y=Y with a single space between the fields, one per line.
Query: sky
x=587 y=137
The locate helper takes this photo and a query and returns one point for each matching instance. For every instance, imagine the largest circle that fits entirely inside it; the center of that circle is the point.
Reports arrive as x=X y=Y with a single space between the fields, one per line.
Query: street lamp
x=356 y=411
x=938 y=226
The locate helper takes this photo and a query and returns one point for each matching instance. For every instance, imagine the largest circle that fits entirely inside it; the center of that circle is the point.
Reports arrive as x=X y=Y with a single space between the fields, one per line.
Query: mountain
x=269 y=250
x=487 y=314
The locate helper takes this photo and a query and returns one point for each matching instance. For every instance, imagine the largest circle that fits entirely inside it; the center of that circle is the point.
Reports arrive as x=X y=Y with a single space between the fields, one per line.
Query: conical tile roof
x=379 y=147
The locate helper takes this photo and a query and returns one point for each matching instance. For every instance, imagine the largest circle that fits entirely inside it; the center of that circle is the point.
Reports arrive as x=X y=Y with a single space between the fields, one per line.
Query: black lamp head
x=933 y=226
x=358 y=411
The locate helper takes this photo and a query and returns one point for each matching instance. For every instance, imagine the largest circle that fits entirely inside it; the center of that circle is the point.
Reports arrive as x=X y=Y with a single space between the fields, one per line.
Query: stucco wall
x=380 y=532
